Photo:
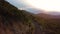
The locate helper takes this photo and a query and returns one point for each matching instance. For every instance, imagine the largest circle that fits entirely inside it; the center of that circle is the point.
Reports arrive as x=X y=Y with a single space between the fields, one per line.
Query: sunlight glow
x=48 y=5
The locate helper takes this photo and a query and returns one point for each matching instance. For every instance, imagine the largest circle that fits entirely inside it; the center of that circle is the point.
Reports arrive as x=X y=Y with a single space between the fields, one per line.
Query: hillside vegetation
x=14 y=21
x=50 y=24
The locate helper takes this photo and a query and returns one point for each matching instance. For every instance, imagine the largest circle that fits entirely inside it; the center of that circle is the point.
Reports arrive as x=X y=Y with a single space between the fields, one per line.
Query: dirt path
x=37 y=28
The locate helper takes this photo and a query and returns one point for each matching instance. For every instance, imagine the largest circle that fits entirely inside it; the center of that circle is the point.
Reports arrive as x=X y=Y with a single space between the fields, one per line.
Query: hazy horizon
x=24 y=6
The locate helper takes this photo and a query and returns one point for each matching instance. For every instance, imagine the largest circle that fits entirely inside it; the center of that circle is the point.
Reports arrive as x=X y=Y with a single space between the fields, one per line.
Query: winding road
x=37 y=28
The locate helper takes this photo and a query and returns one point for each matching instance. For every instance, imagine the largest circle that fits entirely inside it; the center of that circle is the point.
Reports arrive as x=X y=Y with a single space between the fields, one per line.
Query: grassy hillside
x=49 y=25
x=14 y=21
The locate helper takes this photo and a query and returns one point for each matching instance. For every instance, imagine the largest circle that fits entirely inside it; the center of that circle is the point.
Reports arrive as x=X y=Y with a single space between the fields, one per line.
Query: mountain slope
x=50 y=23
x=49 y=16
x=14 y=21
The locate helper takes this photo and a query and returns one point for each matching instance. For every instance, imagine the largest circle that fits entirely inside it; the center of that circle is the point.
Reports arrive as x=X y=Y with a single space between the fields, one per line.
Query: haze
x=47 y=5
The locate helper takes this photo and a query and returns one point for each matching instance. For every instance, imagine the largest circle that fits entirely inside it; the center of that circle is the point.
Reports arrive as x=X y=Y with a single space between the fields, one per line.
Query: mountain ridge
x=14 y=21
x=48 y=15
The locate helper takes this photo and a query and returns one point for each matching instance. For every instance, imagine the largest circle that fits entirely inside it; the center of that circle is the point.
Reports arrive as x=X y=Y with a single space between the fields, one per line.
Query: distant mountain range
x=54 y=13
x=37 y=11
x=34 y=10
x=42 y=13
x=51 y=15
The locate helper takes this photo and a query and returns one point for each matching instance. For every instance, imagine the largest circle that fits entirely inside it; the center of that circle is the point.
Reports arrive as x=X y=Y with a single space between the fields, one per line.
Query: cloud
x=17 y=3
x=23 y=6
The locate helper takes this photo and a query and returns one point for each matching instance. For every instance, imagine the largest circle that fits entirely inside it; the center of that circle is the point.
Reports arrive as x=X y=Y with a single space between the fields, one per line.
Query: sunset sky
x=47 y=5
